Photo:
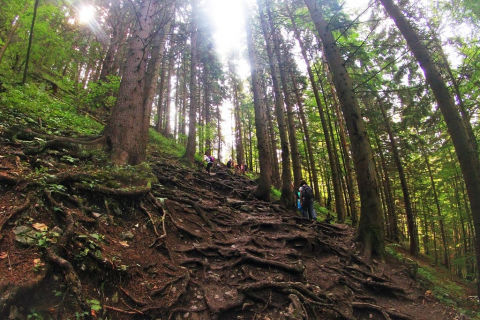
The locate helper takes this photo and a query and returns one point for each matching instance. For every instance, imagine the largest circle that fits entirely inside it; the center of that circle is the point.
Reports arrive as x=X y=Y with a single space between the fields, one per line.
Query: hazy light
x=86 y=14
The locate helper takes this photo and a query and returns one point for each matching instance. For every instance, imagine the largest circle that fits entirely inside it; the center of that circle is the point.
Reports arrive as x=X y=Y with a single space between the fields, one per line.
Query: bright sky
x=228 y=19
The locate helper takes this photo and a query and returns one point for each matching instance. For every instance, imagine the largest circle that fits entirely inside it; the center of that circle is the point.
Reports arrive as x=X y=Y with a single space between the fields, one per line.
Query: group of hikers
x=239 y=168
x=304 y=195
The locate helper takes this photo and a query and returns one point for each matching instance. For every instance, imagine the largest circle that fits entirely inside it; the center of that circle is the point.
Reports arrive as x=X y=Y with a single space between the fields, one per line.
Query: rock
x=127 y=235
x=25 y=235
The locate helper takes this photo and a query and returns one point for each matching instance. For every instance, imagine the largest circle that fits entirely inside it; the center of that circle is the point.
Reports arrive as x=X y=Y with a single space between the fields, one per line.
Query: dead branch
x=151 y=219
x=131 y=297
x=121 y=310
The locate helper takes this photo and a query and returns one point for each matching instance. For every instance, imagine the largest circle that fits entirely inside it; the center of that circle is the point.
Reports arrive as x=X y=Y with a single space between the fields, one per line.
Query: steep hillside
x=80 y=239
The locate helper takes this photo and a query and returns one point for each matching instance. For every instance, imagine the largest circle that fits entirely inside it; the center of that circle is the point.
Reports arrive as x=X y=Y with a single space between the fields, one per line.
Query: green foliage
x=94 y=304
x=165 y=145
x=34 y=315
x=27 y=105
x=275 y=194
x=102 y=94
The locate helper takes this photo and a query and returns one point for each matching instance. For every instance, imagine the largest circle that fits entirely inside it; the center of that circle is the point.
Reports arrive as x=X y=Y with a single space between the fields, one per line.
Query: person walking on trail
x=306 y=201
x=209 y=160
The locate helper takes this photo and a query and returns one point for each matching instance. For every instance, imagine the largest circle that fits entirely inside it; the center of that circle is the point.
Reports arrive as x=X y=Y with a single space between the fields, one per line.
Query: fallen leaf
x=40 y=226
x=38 y=263
x=3 y=255
x=124 y=243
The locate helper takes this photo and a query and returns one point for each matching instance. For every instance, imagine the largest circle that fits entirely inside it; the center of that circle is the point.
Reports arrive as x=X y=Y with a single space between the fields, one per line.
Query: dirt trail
x=192 y=246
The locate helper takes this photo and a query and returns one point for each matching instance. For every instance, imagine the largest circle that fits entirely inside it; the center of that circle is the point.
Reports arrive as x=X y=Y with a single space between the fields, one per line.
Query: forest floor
x=80 y=239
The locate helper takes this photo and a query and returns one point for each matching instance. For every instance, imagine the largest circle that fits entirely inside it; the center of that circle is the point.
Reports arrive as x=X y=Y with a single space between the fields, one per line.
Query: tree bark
x=192 y=133
x=30 y=39
x=370 y=231
x=287 y=197
x=126 y=133
x=264 y=184
x=411 y=224
x=283 y=68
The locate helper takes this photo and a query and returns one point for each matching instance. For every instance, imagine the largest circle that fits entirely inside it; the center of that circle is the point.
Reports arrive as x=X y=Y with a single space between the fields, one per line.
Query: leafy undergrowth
x=439 y=283
x=80 y=239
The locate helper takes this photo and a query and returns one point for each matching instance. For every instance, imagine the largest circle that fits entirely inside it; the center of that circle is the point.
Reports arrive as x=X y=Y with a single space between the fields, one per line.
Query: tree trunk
x=287 y=197
x=283 y=68
x=464 y=147
x=439 y=212
x=264 y=183
x=308 y=143
x=411 y=224
x=126 y=133
x=192 y=133
x=167 y=128
x=276 y=180
x=30 y=39
x=392 y=215
x=236 y=113
x=370 y=232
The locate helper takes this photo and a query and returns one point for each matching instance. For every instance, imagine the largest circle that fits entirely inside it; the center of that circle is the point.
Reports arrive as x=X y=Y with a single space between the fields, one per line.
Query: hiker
x=209 y=160
x=306 y=201
x=229 y=164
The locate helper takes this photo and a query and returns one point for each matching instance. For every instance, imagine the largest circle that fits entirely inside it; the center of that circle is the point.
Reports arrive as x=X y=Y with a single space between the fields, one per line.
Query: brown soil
x=194 y=246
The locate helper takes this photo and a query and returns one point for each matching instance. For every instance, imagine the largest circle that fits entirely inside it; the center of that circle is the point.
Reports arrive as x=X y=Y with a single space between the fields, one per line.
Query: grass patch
x=25 y=105
x=166 y=145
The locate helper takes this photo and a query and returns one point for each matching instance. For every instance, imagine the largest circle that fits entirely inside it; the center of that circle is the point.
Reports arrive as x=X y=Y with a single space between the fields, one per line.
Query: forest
x=108 y=107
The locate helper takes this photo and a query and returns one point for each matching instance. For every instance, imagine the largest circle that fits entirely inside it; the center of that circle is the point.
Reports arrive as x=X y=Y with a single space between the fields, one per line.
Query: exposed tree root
x=10 y=293
x=16 y=211
x=130 y=192
x=5 y=178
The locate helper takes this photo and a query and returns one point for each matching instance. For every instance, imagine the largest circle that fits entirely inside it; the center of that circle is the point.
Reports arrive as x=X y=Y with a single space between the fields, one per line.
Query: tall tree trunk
x=264 y=184
x=464 y=147
x=332 y=155
x=183 y=112
x=237 y=115
x=392 y=215
x=276 y=180
x=370 y=231
x=287 y=197
x=283 y=68
x=167 y=129
x=439 y=211
x=192 y=132
x=411 y=224
x=126 y=133
x=207 y=105
x=308 y=143
x=30 y=39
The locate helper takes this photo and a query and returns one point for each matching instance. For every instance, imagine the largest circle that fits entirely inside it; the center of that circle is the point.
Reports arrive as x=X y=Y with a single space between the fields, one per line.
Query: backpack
x=307 y=193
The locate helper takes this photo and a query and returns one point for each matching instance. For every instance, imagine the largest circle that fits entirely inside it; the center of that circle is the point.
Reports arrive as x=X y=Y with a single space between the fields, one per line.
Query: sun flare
x=86 y=14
